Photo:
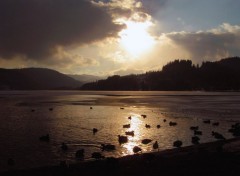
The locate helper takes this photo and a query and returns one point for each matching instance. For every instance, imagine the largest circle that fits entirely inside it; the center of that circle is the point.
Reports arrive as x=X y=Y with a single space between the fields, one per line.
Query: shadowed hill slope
x=178 y=75
x=35 y=79
x=84 y=78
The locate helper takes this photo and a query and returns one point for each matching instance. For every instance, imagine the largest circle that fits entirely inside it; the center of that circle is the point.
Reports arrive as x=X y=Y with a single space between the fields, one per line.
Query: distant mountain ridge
x=84 y=78
x=223 y=75
x=35 y=79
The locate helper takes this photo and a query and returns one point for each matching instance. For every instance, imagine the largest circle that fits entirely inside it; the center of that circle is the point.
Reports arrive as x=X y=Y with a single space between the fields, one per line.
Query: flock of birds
x=235 y=130
x=177 y=143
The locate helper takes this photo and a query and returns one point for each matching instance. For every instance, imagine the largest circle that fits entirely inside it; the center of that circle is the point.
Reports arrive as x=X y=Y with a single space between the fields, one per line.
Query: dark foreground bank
x=215 y=158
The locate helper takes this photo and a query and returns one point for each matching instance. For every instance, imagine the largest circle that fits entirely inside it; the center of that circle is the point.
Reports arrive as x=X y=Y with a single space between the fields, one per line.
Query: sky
x=107 y=37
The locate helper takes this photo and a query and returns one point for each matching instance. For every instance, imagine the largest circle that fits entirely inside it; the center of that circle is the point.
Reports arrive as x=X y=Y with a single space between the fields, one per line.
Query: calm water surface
x=72 y=120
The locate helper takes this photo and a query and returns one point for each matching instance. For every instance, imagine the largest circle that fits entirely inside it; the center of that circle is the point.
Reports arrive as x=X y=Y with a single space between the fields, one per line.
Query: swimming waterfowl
x=147 y=126
x=177 y=143
x=236 y=125
x=95 y=130
x=172 y=123
x=194 y=128
x=97 y=155
x=108 y=147
x=218 y=135
x=122 y=139
x=80 y=154
x=215 y=124
x=127 y=126
x=158 y=126
x=207 y=121
x=235 y=129
x=129 y=133
x=155 y=145
x=146 y=141
x=136 y=149
x=195 y=140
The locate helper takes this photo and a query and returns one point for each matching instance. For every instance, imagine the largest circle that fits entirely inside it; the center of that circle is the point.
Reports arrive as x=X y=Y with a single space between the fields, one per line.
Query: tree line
x=178 y=75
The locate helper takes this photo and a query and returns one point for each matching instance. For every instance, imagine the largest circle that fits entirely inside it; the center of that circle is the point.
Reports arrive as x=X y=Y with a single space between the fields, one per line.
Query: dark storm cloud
x=34 y=28
x=211 y=44
x=119 y=12
x=153 y=6
x=120 y=8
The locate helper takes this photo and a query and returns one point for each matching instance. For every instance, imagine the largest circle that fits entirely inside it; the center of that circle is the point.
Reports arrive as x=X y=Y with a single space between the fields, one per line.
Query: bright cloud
x=217 y=43
x=105 y=37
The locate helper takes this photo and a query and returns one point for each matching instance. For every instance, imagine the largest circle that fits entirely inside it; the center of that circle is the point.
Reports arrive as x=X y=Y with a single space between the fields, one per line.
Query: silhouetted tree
x=178 y=75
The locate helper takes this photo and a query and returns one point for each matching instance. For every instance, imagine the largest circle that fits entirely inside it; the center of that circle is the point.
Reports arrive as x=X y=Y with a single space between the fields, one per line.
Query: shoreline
x=213 y=158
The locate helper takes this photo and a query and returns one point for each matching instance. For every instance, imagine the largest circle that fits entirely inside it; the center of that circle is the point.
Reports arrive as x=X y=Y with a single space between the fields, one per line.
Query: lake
x=26 y=115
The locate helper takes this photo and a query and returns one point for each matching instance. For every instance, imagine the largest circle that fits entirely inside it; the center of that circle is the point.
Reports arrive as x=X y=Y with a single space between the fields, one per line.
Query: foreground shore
x=214 y=158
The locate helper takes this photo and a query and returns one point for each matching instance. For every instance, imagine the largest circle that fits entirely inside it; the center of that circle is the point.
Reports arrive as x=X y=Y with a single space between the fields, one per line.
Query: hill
x=178 y=75
x=86 y=78
x=35 y=79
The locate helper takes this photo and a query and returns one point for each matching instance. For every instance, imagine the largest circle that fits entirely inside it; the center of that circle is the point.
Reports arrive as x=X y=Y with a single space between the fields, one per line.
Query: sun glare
x=135 y=38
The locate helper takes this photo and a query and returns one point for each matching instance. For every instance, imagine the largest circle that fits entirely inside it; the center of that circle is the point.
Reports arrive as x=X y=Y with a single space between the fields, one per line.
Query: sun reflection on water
x=136 y=126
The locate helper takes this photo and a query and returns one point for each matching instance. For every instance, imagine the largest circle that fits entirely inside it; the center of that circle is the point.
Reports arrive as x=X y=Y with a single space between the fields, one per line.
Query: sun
x=135 y=39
